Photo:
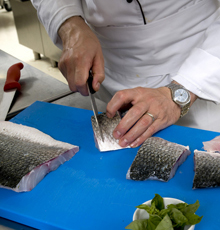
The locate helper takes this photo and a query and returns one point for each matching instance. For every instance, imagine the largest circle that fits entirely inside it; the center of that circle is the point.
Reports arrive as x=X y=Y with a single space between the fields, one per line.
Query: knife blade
x=10 y=88
x=93 y=103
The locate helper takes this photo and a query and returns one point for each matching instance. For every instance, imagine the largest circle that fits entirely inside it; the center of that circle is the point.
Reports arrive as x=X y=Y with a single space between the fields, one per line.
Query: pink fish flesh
x=27 y=155
x=213 y=145
x=157 y=159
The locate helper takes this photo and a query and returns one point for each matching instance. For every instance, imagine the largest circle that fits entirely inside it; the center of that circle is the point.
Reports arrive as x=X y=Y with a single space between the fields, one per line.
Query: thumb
x=98 y=71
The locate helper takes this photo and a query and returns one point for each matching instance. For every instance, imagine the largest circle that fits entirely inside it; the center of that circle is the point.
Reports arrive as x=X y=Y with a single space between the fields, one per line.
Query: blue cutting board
x=91 y=191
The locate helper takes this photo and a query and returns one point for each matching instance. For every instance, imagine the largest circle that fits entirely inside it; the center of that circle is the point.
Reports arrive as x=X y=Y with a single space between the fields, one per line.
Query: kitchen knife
x=93 y=103
x=10 y=87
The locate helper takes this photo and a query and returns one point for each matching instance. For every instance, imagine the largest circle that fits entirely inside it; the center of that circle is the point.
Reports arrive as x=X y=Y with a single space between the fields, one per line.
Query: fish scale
x=207 y=169
x=27 y=155
x=156 y=159
x=22 y=156
x=107 y=125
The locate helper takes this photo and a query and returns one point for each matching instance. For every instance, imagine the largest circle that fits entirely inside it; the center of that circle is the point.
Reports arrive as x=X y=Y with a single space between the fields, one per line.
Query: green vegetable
x=150 y=209
x=192 y=218
x=150 y=223
x=177 y=217
x=174 y=217
x=153 y=221
x=138 y=225
x=165 y=224
x=158 y=200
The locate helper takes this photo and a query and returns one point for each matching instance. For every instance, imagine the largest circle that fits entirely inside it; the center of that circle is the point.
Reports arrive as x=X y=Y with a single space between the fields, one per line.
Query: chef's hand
x=81 y=52
x=136 y=126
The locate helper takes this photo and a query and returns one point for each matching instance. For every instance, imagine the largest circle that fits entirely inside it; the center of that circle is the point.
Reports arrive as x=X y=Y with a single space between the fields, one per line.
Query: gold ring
x=151 y=116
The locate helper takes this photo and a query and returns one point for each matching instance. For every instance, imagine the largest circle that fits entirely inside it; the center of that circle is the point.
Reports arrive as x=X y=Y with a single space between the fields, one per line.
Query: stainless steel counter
x=35 y=85
x=38 y=86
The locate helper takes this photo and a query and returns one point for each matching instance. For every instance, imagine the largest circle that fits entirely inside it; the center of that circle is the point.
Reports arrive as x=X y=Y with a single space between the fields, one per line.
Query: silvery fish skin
x=27 y=155
x=107 y=125
x=157 y=159
x=207 y=169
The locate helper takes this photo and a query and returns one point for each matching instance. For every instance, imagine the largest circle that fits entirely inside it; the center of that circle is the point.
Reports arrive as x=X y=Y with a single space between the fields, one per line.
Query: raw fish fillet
x=157 y=159
x=213 y=145
x=207 y=169
x=107 y=125
x=27 y=155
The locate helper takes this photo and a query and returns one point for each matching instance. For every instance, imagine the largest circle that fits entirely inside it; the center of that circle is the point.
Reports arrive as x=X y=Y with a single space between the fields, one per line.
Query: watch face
x=181 y=95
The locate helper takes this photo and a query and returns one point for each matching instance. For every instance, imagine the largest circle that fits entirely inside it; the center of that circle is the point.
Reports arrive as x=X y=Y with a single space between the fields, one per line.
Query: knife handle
x=90 y=79
x=13 y=76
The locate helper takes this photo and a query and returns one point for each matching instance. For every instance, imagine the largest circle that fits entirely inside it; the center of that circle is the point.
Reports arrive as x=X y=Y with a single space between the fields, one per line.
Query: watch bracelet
x=185 y=108
x=174 y=86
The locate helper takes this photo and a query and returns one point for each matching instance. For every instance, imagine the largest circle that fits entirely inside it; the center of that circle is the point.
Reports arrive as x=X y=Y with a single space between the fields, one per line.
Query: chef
x=159 y=59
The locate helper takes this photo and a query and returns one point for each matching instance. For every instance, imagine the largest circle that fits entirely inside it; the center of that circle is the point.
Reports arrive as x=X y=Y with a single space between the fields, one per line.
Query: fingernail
x=134 y=144
x=124 y=143
x=117 y=134
x=108 y=114
x=97 y=86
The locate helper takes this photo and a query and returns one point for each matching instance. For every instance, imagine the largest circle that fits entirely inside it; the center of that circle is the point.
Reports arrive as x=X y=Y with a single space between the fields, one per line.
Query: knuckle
x=144 y=121
x=138 y=111
x=120 y=95
x=100 y=76
x=76 y=58
x=140 y=90
x=65 y=58
x=72 y=88
x=79 y=83
x=151 y=130
x=82 y=57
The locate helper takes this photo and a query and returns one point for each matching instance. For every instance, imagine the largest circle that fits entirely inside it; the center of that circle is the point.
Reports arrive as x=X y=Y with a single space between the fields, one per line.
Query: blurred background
x=22 y=36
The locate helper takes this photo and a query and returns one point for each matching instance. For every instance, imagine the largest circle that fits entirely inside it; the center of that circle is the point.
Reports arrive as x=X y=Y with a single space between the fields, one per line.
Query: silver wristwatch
x=181 y=97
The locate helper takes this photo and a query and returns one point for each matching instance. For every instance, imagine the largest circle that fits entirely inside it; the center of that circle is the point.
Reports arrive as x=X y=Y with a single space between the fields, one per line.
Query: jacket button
x=129 y=1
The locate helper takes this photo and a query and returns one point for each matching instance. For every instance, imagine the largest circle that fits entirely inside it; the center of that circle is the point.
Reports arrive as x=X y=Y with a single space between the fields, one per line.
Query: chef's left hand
x=136 y=126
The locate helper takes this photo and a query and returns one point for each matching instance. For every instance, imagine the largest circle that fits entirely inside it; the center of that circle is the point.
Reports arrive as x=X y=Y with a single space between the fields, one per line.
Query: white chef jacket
x=180 y=41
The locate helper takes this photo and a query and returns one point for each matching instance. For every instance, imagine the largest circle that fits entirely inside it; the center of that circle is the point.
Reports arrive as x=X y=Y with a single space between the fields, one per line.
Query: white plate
x=142 y=214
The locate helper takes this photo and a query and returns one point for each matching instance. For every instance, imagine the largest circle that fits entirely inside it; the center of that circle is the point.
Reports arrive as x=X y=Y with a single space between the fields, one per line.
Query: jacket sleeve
x=52 y=13
x=200 y=73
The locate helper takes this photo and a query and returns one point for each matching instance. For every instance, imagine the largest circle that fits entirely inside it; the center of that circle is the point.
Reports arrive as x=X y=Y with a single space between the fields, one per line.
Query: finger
x=98 y=71
x=62 y=61
x=132 y=116
x=119 y=100
x=66 y=68
x=80 y=75
x=76 y=70
x=137 y=130
x=75 y=66
x=151 y=130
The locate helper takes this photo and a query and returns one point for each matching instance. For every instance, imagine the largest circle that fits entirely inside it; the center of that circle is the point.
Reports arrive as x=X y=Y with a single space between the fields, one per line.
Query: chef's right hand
x=81 y=52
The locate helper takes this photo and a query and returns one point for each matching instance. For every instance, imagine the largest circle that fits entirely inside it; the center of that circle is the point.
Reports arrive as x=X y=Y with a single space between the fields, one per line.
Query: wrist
x=193 y=98
x=71 y=25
